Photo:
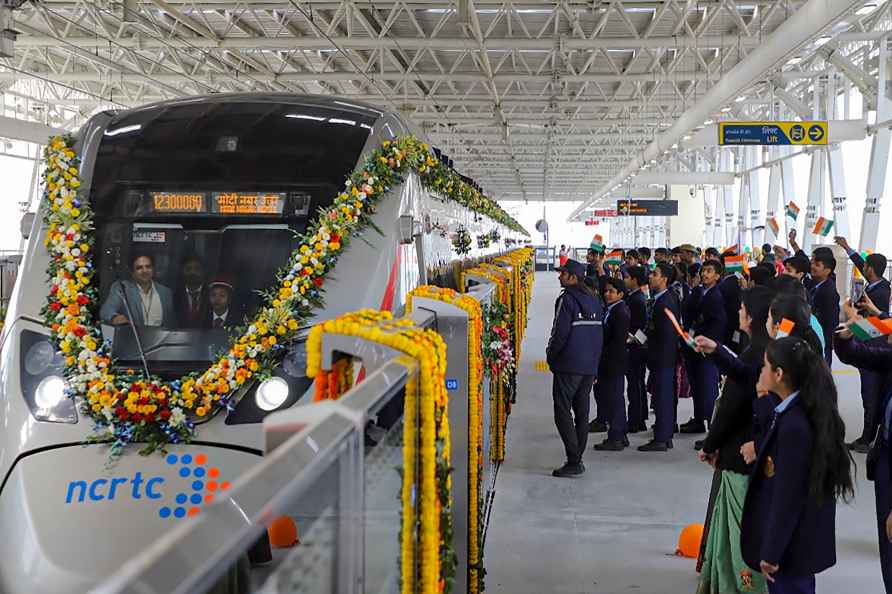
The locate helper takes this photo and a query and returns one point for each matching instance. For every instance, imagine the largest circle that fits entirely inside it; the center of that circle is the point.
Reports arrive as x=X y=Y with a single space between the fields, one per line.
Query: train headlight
x=50 y=392
x=271 y=393
x=42 y=384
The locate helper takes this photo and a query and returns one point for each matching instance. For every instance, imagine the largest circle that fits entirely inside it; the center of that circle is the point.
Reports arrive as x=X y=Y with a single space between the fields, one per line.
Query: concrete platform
x=616 y=528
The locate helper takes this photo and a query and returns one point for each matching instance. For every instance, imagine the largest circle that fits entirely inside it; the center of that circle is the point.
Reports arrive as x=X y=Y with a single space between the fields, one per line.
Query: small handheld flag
x=597 y=243
x=735 y=264
x=785 y=328
x=684 y=335
x=867 y=328
x=792 y=210
x=772 y=224
x=614 y=258
x=822 y=227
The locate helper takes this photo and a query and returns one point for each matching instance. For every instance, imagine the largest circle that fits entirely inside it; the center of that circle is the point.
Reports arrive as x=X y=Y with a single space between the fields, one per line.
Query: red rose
x=143 y=400
x=54 y=289
x=335 y=238
x=55 y=306
x=318 y=281
x=80 y=331
x=82 y=300
x=121 y=412
x=164 y=414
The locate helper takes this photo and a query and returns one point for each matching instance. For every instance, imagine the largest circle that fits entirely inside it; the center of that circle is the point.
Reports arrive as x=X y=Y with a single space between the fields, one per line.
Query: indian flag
x=867 y=328
x=735 y=264
x=822 y=227
x=785 y=328
x=792 y=210
x=614 y=258
x=772 y=224
x=597 y=243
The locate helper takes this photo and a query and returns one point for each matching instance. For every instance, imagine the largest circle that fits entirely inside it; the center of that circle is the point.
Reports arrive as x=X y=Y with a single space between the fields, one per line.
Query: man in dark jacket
x=824 y=299
x=878 y=292
x=635 y=298
x=612 y=369
x=730 y=289
x=573 y=352
x=662 y=351
x=710 y=321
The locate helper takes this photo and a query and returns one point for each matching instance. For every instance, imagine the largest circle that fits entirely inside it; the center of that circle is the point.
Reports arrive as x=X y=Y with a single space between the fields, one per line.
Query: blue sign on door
x=451 y=384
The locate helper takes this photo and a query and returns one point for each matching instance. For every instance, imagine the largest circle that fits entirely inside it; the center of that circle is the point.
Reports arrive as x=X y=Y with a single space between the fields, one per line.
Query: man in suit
x=662 y=351
x=636 y=300
x=191 y=298
x=824 y=299
x=612 y=369
x=150 y=303
x=221 y=313
x=573 y=352
x=878 y=292
x=710 y=321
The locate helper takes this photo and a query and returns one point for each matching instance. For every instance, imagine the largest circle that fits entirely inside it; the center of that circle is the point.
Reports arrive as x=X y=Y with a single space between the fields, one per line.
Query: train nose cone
x=69 y=519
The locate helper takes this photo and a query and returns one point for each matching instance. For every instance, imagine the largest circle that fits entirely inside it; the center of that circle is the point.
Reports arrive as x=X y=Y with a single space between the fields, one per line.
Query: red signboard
x=604 y=212
x=590 y=222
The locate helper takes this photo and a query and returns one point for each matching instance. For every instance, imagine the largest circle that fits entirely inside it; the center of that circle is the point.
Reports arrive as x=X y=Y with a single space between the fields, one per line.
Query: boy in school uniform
x=636 y=300
x=612 y=370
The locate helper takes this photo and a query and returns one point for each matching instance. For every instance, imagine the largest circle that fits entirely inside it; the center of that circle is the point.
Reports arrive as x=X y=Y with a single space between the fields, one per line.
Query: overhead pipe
x=797 y=30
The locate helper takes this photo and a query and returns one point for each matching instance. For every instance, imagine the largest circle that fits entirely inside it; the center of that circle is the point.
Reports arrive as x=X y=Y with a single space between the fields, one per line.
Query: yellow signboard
x=773 y=133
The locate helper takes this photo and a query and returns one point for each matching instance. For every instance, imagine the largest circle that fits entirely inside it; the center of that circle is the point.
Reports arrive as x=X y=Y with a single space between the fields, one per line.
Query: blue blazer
x=731 y=298
x=637 y=303
x=690 y=307
x=576 y=335
x=615 y=356
x=711 y=319
x=780 y=523
x=114 y=304
x=662 y=340
x=824 y=301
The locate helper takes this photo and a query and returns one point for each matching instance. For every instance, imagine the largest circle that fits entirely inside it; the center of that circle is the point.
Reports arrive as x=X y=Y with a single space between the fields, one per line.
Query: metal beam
x=26 y=131
x=718 y=178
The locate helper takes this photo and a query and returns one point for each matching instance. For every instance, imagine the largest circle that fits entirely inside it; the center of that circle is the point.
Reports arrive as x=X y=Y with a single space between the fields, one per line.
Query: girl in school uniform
x=788 y=529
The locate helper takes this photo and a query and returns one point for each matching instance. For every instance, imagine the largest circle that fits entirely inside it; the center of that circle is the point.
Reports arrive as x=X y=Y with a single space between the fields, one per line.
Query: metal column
x=788 y=187
x=838 y=191
x=815 y=199
x=727 y=199
x=743 y=206
x=708 y=214
x=774 y=206
x=755 y=197
x=879 y=159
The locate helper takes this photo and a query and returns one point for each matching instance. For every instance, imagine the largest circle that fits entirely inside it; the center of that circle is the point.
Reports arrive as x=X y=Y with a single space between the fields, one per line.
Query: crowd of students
x=753 y=349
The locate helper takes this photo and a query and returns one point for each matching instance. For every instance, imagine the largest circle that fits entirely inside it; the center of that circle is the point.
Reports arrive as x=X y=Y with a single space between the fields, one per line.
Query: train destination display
x=176 y=202
x=248 y=203
x=224 y=203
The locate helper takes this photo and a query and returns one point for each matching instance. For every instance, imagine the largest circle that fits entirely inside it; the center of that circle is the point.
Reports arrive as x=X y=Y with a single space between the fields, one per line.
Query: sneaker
x=597 y=427
x=610 y=446
x=693 y=426
x=569 y=470
x=656 y=446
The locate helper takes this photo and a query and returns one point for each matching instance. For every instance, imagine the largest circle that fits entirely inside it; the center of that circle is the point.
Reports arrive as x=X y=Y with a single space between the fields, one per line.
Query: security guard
x=573 y=352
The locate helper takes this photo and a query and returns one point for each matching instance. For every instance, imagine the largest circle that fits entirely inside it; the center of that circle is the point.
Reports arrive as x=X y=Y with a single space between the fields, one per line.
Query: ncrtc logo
x=203 y=484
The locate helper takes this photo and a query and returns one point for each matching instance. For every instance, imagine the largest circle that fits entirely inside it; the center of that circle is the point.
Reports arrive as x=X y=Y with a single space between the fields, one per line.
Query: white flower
x=177 y=417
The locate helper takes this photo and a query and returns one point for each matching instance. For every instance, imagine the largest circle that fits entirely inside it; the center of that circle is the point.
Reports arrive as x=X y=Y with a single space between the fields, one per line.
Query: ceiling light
x=794 y=60
x=822 y=40
x=867 y=8
x=741 y=98
x=726 y=109
x=709 y=122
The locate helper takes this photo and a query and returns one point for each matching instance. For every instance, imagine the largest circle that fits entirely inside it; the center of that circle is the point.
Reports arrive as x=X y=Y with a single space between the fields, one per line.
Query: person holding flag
x=730 y=290
x=877 y=291
x=824 y=299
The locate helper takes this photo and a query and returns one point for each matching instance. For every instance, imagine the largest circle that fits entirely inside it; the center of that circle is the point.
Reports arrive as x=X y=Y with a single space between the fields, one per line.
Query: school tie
x=218 y=322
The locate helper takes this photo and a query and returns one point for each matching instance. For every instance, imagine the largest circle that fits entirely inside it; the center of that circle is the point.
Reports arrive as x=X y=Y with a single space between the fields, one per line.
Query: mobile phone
x=857 y=293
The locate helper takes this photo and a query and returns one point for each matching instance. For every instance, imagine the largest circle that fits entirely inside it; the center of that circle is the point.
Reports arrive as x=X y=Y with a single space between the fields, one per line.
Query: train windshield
x=197 y=207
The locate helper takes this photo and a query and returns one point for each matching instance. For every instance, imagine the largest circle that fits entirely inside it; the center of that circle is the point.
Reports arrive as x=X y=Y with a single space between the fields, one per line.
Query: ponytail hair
x=830 y=474
x=796 y=309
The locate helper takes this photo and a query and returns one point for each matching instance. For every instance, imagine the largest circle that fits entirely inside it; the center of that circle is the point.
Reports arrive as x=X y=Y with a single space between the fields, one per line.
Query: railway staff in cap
x=150 y=303
x=573 y=353
x=222 y=314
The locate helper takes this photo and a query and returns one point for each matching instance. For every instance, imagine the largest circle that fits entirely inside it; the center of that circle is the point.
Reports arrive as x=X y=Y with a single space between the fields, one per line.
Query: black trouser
x=871 y=397
x=637 y=392
x=571 y=404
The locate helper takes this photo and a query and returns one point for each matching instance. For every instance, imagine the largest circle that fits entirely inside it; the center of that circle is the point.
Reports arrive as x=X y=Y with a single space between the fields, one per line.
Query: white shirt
x=152 y=314
x=221 y=317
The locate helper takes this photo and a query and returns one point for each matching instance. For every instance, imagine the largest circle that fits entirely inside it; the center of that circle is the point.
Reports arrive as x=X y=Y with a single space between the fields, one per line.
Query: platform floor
x=616 y=528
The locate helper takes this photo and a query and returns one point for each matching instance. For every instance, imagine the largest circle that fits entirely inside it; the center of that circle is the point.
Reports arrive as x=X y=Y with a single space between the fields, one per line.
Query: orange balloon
x=283 y=532
x=689 y=541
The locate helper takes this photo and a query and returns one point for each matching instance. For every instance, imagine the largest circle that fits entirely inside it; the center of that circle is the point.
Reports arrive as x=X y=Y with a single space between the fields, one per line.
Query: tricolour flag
x=772 y=224
x=735 y=264
x=785 y=328
x=597 y=243
x=792 y=210
x=614 y=258
x=823 y=227
x=684 y=335
x=867 y=328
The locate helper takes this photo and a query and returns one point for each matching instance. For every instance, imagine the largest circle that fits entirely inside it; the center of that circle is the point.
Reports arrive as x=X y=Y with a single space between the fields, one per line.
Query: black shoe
x=860 y=446
x=656 y=446
x=597 y=427
x=611 y=446
x=698 y=445
x=568 y=470
x=694 y=426
x=637 y=428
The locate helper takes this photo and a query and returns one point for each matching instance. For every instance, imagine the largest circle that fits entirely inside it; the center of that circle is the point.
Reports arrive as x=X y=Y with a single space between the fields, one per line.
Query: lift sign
x=773 y=133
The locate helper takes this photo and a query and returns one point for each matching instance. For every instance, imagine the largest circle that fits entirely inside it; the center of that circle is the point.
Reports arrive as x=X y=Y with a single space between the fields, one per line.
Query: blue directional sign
x=772 y=133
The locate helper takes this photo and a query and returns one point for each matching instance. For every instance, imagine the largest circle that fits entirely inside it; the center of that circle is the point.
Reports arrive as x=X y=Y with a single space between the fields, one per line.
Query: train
x=210 y=192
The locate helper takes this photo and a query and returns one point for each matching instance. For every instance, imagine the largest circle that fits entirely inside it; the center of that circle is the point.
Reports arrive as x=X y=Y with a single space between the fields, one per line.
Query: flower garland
x=430 y=436
x=126 y=408
x=475 y=420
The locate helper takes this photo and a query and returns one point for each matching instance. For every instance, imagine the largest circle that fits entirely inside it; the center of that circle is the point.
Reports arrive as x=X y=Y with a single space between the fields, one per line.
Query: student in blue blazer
x=788 y=529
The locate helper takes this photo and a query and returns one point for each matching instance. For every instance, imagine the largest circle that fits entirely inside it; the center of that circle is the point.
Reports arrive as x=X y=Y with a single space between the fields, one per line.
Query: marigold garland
x=475 y=420
x=431 y=438
x=127 y=408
